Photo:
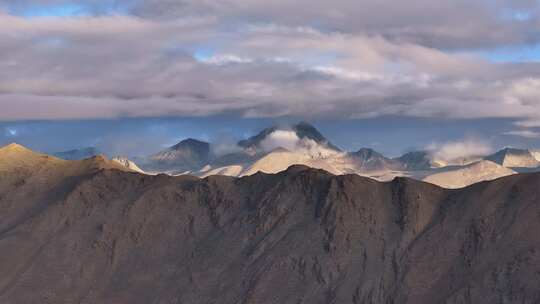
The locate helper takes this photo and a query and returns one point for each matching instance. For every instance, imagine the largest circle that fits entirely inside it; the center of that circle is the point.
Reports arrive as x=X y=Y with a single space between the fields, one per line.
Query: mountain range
x=93 y=231
x=276 y=148
x=78 y=154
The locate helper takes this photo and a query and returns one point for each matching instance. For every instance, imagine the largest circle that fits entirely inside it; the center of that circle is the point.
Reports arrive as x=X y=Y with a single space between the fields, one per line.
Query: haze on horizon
x=135 y=76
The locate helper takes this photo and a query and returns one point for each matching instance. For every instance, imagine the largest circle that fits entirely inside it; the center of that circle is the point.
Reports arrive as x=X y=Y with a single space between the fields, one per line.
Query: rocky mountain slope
x=92 y=234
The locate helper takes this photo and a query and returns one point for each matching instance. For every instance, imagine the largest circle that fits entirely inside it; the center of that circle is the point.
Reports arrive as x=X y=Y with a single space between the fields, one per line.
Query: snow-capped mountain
x=124 y=161
x=514 y=158
x=302 y=135
x=418 y=160
x=186 y=156
x=462 y=176
x=370 y=160
x=275 y=149
x=536 y=154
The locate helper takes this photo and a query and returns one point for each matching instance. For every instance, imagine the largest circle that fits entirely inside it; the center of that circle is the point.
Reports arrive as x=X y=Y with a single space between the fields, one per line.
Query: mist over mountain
x=295 y=136
x=92 y=231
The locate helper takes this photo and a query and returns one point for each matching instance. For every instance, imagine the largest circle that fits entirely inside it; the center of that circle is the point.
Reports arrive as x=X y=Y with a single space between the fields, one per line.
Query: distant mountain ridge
x=462 y=176
x=276 y=148
x=417 y=160
x=78 y=154
x=514 y=158
x=371 y=160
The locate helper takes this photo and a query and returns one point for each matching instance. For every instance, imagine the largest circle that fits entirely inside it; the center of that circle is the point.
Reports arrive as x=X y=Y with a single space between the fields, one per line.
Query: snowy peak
x=305 y=130
x=288 y=136
x=514 y=158
x=124 y=161
x=255 y=141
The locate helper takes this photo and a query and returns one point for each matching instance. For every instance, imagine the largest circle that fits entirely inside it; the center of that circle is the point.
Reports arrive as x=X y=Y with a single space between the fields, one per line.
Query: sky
x=134 y=76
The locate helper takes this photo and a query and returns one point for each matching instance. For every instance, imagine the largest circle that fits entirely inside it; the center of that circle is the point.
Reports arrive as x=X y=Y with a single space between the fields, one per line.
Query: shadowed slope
x=300 y=236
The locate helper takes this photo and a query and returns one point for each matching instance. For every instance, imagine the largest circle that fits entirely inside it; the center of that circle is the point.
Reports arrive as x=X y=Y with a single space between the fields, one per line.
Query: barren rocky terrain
x=89 y=232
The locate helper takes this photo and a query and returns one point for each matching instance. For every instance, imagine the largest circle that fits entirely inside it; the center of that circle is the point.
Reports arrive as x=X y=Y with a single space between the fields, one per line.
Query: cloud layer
x=340 y=59
x=459 y=150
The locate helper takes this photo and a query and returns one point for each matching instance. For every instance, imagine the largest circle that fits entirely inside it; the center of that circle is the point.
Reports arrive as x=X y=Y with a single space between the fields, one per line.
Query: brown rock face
x=301 y=236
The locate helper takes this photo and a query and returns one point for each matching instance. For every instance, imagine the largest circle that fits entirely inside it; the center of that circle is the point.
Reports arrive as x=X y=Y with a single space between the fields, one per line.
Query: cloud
x=11 y=132
x=281 y=139
x=457 y=24
x=523 y=133
x=456 y=150
x=224 y=143
x=367 y=59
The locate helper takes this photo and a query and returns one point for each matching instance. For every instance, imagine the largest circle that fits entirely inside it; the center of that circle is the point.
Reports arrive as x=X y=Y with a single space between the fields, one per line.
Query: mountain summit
x=370 y=160
x=514 y=158
x=188 y=155
x=303 y=130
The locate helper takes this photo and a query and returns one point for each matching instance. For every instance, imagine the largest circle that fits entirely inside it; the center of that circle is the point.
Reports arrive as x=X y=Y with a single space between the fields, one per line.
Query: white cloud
x=456 y=150
x=528 y=123
x=137 y=65
x=289 y=140
x=11 y=132
x=281 y=139
x=226 y=59
x=523 y=133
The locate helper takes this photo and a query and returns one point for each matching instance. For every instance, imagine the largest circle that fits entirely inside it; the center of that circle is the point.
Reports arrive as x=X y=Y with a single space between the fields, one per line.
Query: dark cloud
x=440 y=24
